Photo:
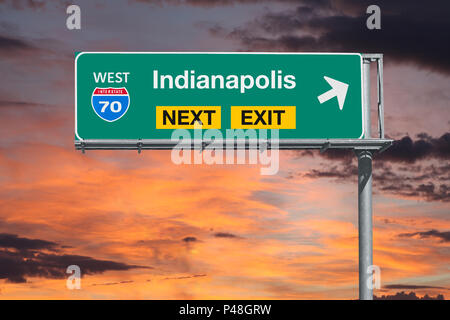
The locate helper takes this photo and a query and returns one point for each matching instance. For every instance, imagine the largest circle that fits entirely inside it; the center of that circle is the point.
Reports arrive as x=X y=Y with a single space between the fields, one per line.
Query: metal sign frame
x=364 y=149
x=165 y=144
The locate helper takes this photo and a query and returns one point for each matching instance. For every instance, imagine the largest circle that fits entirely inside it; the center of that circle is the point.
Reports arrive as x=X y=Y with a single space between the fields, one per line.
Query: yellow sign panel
x=184 y=117
x=263 y=117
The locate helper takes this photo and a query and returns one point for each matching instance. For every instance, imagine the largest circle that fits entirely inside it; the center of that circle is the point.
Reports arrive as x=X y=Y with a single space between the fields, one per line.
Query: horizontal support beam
x=284 y=144
x=374 y=56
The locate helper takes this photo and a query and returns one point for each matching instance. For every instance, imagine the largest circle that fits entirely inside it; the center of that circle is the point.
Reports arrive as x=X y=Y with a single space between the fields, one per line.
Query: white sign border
x=231 y=52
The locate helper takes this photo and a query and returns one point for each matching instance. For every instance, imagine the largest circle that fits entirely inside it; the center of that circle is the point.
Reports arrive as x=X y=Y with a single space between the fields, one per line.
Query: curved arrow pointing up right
x=338 y=89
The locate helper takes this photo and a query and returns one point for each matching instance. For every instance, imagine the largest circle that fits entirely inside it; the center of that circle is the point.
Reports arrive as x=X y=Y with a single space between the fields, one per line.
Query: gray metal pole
x=365 y=223
x=365 y=199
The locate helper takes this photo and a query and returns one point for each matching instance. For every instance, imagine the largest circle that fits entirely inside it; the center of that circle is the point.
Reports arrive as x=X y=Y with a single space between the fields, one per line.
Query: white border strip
x=241 y=53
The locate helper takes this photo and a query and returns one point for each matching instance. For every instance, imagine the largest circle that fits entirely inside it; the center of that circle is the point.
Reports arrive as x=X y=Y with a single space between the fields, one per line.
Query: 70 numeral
x=115 y=106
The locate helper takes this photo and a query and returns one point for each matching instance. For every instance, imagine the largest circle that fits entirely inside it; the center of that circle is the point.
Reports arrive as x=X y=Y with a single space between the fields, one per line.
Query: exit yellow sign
x=185 y=117
x=263 y=117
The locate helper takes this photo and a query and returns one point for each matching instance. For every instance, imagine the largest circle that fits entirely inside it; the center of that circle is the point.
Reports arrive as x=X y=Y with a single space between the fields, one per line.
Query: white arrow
x=338 y=89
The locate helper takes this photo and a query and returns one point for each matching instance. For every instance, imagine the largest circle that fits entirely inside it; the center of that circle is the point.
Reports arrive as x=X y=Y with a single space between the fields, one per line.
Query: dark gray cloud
x=225 y=235
x=21 y=258
x=409 y=151
x=408 y=296
x=18 y=47
x=185 y=277
x=339 y=172
x=386 y=180
x=20 y=104
x=13 y=241
x=112 y=283
x=412 y=31
x=190 y=239
x=428 y=192
x=11 y=45
x=338 y=154
x=404 y=150
x=444 y=236
x=410 y=287
x=401 y=170
x=17 y=266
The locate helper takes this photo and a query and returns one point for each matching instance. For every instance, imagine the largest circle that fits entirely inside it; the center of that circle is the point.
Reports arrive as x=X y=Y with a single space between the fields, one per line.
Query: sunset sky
x=141 y=227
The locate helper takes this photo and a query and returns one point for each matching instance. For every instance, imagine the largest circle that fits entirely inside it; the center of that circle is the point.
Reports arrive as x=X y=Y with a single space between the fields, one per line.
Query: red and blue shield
x=110 y=104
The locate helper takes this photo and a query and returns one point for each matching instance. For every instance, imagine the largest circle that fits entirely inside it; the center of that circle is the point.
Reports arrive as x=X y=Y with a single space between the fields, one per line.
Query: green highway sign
x=147 y=95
